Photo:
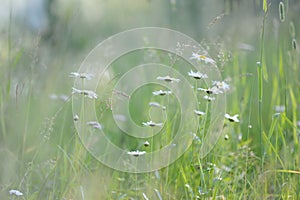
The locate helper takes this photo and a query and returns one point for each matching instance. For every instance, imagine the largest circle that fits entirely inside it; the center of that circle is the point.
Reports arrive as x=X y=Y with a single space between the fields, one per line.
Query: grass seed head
x=294 y=44
x=281 y=12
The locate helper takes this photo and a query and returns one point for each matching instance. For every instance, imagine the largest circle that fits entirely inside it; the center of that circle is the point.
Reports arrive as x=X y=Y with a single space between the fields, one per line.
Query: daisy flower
x=152 y=124
x=208 y=90
x=155 y=104
x=81 y=75
x=199 y=57
x=232 y=118
x=161 y=93
x=197 y=75
x=136 y=153
x=196 y=138
x=213 y=90
x=90 y=94
x=15 y=192
x=146 y=144
x=168 y=79
x=75 y=117
x=222 y=85
x=94 y=124
x=226 y=137
x=199 y=113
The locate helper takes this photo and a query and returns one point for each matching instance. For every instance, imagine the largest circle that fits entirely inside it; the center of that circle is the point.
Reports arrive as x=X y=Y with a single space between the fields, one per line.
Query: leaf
x=265 y=6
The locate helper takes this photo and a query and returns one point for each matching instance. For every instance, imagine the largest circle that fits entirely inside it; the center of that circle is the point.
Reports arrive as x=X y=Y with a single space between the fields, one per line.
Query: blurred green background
x=42 y=41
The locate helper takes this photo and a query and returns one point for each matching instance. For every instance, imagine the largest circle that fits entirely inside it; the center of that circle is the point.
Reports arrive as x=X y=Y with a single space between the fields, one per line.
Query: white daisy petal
x=155 y=104
x=152 y=124
x=94 y=124
x=168 y=79
x=136 y=153
x=15 y=192
x=199 y=113
x=232 y=118
x=81 y=75
x=221 y=85
x=88 y=93
x=213 y=90
x=199 y=57
x=161 y=93
x=197 y=75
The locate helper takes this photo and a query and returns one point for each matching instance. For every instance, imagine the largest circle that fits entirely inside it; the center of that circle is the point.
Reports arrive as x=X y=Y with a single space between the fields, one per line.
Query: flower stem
x=260 y=89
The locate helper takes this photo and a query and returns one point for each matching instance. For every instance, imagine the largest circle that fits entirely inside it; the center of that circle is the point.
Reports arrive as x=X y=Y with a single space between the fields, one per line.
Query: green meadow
x=44 y=140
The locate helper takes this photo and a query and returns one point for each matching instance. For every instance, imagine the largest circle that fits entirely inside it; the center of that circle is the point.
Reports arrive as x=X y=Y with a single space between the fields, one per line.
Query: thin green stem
x=260 y=88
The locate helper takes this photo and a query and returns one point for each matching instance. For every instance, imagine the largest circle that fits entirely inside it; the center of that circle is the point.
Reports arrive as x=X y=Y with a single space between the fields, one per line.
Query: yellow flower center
x=202 y=57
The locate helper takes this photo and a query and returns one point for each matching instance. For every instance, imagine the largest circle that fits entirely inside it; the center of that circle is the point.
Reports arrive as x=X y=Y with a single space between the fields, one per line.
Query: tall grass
x=260 y=86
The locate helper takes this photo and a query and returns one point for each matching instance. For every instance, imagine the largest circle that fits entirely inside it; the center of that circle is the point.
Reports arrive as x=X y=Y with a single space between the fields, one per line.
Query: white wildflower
x=76 y=118
x=204 y=58
x=136 y=153
x=226 y=137
x=90 y=94
x=208 y=98
x=196 y=138
x=152 y=124
x=168 y=79
x=15 y=192
x=146 y=144
x=232 y=118
x=208 y=90
x=155 y=104
x=213 y=90
x=199 y=113
x=81 y=75
x=161 y=93
x=197 y=75
x=222 y=85
x=94 y=124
